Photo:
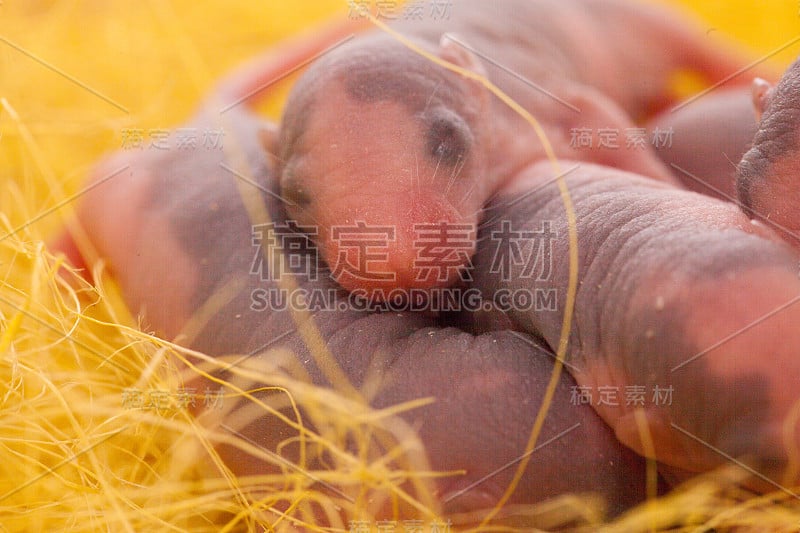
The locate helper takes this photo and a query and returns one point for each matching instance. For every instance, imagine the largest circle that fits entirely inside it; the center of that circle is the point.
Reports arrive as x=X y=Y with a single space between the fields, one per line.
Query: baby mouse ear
x=762 y=92
x=453 y=49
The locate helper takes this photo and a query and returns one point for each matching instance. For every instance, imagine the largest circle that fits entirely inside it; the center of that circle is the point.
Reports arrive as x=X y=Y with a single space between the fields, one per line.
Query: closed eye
x=447 y=139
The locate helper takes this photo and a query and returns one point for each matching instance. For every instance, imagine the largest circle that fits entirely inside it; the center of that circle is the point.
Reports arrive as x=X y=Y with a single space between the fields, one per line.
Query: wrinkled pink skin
x=675 y=290
x=678 y=290
x=353 y=151
x=665 y=275
x=713 y=134
x=174 y=231
x=767 y=178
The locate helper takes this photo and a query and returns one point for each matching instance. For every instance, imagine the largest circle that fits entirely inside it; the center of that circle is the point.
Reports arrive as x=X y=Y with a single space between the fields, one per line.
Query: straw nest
x=96 y=426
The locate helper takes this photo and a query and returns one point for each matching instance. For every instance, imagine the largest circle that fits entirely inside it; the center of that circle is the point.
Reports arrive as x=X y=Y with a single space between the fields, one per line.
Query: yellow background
x=152 y=61
x=157 y=58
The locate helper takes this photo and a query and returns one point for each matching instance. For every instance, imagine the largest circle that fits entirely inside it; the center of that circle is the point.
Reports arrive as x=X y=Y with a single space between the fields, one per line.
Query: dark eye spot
x=448 y=140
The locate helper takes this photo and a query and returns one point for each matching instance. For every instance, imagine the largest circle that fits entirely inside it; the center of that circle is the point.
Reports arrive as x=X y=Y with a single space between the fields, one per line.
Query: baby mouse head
x=768 y=177
x=378 y=141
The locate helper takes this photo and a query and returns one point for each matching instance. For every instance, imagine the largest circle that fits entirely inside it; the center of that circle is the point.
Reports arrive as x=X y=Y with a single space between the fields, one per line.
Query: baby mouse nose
x=407 y=244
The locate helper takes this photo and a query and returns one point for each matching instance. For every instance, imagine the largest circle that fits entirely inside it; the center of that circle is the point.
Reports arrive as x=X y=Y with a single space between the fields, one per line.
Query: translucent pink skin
x=646 y=305
x=356 y=151
x=708 y=138
x=174 y=231
x=493 y=382
x=740 y=145
x=675 y=290
x=767 y=177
